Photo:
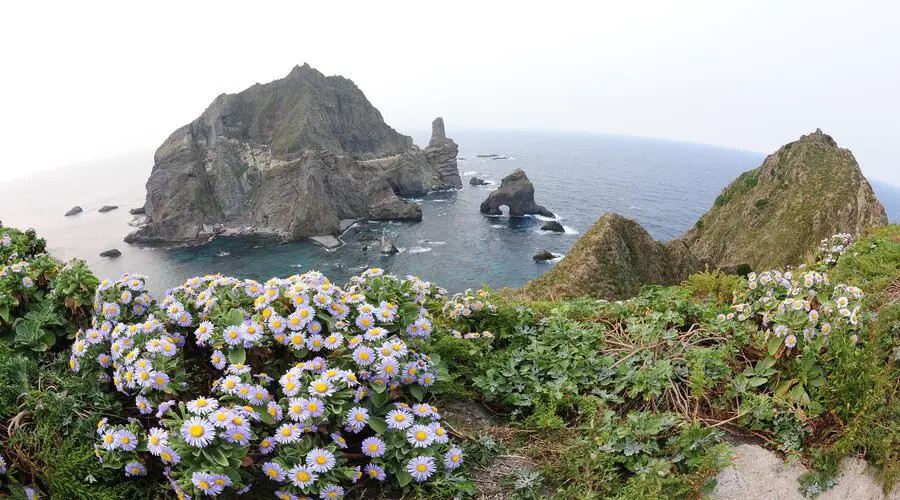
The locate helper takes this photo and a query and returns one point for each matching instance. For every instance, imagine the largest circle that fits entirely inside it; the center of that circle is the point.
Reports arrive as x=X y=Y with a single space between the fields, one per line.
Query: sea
x=665 y=185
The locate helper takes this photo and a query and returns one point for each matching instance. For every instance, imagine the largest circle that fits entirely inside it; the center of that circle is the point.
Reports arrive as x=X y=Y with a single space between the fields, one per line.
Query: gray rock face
x=111 y=253
x=554 y=226
x=290 y=158
x=441 y=155
x=74 y=211
x=137 y=211
x=475 y=181
x=107 y=208
x=517 y=193
x=387 y=246
x=543 y=255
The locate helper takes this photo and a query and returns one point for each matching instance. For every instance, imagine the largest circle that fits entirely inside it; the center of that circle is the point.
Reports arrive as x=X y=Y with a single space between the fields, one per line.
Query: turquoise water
x=664 y=185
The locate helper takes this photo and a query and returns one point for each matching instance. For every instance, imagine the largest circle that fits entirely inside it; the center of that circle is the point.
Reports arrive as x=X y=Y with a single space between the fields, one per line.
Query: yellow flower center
x=303 y=476
x=321 y=460
x=196 y=430
x=421 y=468
x=421 y=436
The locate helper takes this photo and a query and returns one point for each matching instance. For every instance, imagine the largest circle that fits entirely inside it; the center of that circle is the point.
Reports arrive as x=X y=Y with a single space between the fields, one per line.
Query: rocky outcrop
x=772 y=215
x=73 y=211
x=441 y=154
x=107 y=208
x=476 y=181
x=613 y=260
x=290 y=158
x=517 y=193
x=137 y=211
x=543 y=255
x=111 y=253
x=387 y=246
x=554 y=226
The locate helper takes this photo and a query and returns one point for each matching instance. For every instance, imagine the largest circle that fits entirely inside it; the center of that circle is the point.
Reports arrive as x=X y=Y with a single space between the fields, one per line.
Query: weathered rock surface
x=554 y=226
x=772 y=215
x=441 y=154
x=543 y=255
x=111 y=253
x=387 y=246
x=74 y=211
x=107 y=208
x=517 y=193
x=759 y=474
x=476 y=181
x=290 y=158
x=137 y=211
x=613 y=260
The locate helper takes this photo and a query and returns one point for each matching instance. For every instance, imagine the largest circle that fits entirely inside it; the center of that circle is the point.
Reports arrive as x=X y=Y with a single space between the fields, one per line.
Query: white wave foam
x=467 y=173
x=566 y=230
x=497 y=226
x=419 y=249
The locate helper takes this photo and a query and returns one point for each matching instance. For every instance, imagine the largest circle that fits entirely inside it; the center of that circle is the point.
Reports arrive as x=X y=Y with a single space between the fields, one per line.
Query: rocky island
x=516 y=193
x=291 y=158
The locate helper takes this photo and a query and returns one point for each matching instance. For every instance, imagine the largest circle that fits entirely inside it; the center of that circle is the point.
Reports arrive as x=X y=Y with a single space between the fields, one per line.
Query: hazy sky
x=85 y=79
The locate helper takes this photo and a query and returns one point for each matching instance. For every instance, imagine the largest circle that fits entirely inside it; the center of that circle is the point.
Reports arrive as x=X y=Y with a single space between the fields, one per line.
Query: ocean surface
x=664 y=185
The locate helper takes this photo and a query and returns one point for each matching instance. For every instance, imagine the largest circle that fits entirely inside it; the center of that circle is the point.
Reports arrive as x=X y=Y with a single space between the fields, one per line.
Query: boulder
x=291 y=158
x=111 y=253
x=387 y=246
x=613 y=260
x=475 y=181
x=543 y=255
x=554 y=226
x=517 y=193
x=107 y=208
x=772 y=215
x=137 y=211
x=74 y=211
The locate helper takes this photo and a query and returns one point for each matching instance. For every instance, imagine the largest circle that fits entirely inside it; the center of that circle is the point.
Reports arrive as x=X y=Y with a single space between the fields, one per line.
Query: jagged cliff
x=774 y=214
x=613 y=260
x=291 y=158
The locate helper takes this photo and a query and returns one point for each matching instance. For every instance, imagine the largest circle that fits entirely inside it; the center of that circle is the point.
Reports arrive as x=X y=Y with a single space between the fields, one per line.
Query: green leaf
x=4 y=313
x=234 y=318
x=404 y=478
x=378 y=425
x=417 y=392
x=756 y=381
x=774 y=344
x=237 y=355
x=765 y=364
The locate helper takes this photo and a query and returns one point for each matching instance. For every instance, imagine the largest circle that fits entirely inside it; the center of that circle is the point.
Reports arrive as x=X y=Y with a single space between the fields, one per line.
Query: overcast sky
x=83 y=80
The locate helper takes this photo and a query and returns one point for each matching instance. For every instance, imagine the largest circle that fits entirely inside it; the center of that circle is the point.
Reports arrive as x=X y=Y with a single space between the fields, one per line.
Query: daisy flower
x=339 y=440
x=218 y=359
x=315 y=343
x=313 y=407
x=314 y=327
x=321 y=388
x=285 y=495
x=143 y=405
x=301 y=476
x=453 y=458
x=197 y=432
x=274 y=472
x=126 y=440
x=333 y=341
x=230 y=384
x=426 y=380
x=373 y=447
x=108 y=440
x=164 y=407
x=157 y=439
x=420 y=436
x=205 y=482
x=375 y=472
x=266 y=445
x=357 y=417
x=329 y=492
x=202 y=406
x=135 y=469
x=421 y=468
x=168 y=455
x=364 y=356
x=239 y=435
x=287 y=433
x=790 y=341
x=320 y=460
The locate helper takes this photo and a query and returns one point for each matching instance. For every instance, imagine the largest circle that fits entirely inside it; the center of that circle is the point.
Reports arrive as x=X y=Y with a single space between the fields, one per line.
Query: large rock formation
x=289 y=158
x=517 y=193
x=613 y=260
x=773 y=215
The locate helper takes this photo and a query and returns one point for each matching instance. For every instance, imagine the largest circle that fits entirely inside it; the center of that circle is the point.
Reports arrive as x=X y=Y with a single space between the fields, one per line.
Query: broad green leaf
x=775 y=343
x=403 y=478
x=417 y=392
x=378 y=425
x=756 y=381
x=237 y=355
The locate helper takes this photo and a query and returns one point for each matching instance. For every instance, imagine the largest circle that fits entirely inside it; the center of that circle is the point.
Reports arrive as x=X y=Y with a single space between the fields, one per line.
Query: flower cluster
x=306 y=377
x=467 y=312
x=832 y=248
x=799 y=309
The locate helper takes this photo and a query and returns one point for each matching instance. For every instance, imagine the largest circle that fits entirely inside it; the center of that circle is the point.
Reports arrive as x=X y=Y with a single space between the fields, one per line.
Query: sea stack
x=517 y=193
x=613 y=260
x=290 y=158
x=772 y=215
